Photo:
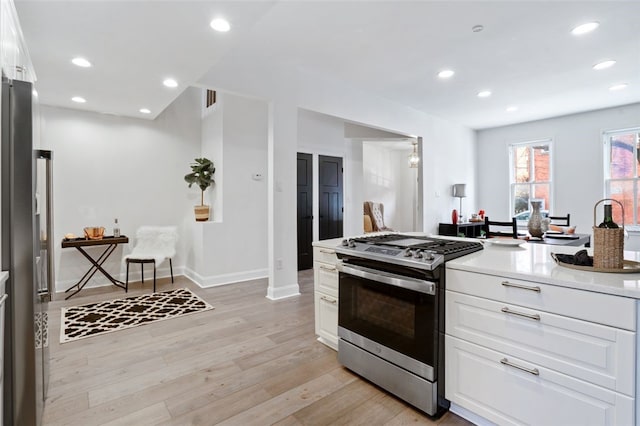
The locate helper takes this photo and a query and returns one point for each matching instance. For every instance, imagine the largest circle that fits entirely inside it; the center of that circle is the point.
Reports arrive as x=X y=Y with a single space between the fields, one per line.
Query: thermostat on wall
x=257 y=176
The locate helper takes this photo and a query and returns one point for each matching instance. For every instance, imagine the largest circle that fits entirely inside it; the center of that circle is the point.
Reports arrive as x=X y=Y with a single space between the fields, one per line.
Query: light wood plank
x=148 y=416
x=249 y=361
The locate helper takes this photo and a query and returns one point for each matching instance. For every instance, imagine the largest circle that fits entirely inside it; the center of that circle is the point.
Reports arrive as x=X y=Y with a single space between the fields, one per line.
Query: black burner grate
x=449 y=248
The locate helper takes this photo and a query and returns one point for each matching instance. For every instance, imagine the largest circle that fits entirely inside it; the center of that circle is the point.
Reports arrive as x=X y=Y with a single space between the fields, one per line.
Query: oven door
x=391 y=316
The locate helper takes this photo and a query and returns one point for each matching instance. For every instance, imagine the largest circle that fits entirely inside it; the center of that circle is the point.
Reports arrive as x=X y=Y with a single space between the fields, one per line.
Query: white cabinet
x=326 y=295
x=511 y=391
x=14 y=57
x=522 y=352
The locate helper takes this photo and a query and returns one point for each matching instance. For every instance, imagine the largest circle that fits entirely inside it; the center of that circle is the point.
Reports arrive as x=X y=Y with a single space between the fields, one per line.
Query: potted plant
x=202 y=175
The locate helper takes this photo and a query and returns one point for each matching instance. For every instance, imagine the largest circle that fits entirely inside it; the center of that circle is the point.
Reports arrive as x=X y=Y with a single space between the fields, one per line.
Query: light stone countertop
x=533 y=262
x=329 y=244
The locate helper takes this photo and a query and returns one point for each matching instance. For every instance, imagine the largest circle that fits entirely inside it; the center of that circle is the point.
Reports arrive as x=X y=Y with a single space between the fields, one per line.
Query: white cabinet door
x=325 y=277
x=605 y=309
x=326 y=255
x=591 y=352
x=509 y=391
x=14 y=57
x=326 y=312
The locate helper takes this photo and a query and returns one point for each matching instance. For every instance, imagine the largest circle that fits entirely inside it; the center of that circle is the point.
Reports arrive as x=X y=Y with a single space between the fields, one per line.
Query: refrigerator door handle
x=3 y=299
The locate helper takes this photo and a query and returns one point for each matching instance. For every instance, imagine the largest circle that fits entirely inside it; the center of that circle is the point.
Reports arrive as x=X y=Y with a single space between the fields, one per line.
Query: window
x=622 y=166
x=530 y=176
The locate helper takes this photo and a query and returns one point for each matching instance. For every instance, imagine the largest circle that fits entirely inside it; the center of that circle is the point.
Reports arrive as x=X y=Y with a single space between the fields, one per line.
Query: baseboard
x=283 y=292
x=223 y=279
x=470 y=416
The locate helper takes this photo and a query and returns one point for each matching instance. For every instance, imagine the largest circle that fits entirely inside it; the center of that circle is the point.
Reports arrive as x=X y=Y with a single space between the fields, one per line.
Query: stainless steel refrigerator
x=26 y=254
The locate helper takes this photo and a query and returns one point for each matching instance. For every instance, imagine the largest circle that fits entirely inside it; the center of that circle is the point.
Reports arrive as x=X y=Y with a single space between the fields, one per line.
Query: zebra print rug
x=94 y=319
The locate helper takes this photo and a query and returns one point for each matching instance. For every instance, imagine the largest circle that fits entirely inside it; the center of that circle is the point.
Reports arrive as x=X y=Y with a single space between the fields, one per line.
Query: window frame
x=512 y=178
x=607 y=135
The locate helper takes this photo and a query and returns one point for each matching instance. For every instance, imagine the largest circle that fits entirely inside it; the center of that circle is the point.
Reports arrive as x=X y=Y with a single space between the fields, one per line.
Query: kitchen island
x=531 y=342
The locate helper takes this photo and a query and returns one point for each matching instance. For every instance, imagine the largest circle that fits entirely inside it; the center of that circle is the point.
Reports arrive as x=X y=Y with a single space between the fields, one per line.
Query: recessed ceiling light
x=604 y=64
x=512 y=108
x=585 y=28
x=477 y=28
x=446 y=74
x=79 y=99
x=145 y=111
x=81 y=62
x=169 y=82
x=221 y=25
x=484 y=94
x=618 y=87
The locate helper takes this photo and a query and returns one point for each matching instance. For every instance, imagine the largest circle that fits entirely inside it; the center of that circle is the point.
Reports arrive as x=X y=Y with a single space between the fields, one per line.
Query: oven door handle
x=421 y=286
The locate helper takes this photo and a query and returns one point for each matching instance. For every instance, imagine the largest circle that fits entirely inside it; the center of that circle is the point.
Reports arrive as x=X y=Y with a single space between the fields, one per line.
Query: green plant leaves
x=202 y=171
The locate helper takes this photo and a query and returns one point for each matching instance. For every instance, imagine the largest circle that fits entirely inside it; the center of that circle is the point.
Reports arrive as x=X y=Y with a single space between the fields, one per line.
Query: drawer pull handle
x=326 y=299
x=524 y=287
x=521 y=314
x=533 y=371
x=327 y=251
x=328 y=268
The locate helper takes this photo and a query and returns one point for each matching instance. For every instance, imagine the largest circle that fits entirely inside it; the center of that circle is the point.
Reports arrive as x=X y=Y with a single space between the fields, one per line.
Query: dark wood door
x=330 y=197
x=305 y=209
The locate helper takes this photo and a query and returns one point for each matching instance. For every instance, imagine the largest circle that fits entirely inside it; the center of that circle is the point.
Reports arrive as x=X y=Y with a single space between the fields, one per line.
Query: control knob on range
x=428 y=255
x=352 y=243
x=417 y=254
x=408 y=253
x=345 y=242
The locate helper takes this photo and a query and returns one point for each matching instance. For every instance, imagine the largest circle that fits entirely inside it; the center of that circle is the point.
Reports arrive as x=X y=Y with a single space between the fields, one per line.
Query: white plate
x=554 y=232
x=506 y=242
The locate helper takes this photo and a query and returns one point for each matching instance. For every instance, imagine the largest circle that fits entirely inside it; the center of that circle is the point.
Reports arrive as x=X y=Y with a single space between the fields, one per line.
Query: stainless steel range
x=391 y=313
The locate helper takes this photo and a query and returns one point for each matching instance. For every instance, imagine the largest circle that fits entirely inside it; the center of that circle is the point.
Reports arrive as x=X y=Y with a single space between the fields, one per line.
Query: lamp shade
x=460 y=190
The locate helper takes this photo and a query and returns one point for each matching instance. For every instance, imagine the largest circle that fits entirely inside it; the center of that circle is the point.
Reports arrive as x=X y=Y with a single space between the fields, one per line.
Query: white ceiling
x=525 y=55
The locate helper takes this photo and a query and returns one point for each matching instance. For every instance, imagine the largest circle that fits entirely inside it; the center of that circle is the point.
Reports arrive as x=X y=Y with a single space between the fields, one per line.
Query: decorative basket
x=608 y=243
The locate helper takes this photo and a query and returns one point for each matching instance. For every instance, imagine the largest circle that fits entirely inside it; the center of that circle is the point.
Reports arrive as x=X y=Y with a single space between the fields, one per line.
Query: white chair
x=154 y=244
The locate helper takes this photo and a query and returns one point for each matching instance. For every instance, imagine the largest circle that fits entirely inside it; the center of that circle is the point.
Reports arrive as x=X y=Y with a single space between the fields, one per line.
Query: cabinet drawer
x=325 y=278
x=326 y=313
x=325 y=255
x=510 y=391
x=601 y=308
x=594 y=353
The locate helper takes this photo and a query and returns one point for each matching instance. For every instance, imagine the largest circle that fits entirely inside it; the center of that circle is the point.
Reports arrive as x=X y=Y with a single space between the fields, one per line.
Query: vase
x=535 y=220
x=454 y=217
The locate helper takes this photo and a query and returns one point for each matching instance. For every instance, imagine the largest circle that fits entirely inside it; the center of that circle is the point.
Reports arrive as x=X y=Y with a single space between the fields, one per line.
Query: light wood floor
x=250 y=361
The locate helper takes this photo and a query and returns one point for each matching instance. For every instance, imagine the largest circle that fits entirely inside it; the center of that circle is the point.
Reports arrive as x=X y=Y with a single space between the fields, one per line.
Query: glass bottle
x=608 y=218
x=116 y=229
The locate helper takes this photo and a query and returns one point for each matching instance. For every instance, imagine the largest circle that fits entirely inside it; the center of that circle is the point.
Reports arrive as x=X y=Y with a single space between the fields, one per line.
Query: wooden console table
x=96 y=264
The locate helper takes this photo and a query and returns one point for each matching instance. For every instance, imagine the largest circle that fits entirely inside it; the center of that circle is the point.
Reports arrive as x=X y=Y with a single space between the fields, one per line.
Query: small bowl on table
x=94 y=232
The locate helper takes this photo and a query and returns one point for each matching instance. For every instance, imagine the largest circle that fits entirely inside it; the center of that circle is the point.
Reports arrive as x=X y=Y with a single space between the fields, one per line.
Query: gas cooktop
x=409 y=250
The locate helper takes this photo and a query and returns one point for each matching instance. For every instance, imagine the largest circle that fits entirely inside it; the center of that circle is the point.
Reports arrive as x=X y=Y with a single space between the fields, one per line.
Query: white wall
x=388 y=180
x=234 y=248
x=212 y=143
x=106 y=166
x=577 y=162
x=320 y=134
x=449 y=155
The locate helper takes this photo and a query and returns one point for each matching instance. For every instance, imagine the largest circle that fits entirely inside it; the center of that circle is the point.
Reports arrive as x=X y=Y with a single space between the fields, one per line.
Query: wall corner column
x=282 y=201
